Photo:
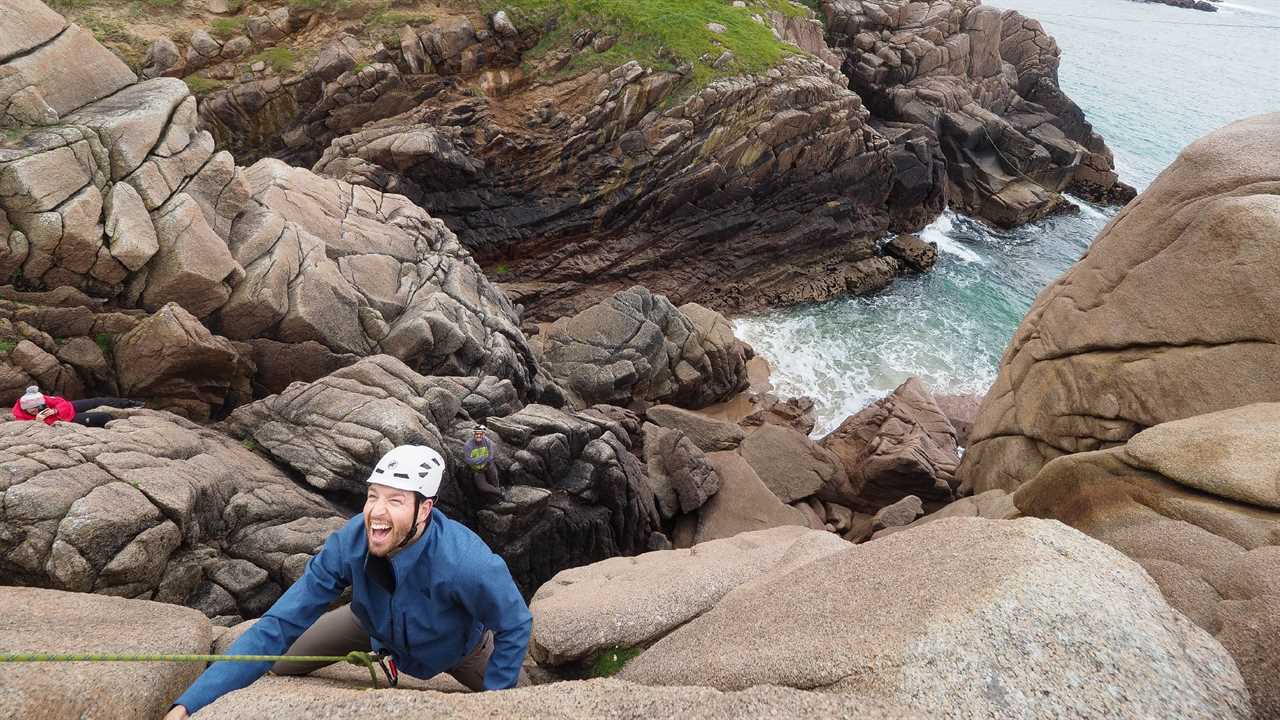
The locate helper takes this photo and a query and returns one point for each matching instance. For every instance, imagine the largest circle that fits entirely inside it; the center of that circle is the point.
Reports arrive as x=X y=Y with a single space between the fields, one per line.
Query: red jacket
x=66 y=412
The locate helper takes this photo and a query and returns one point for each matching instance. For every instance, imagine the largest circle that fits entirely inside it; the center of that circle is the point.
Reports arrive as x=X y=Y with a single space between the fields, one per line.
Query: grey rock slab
x=578 y=700
x=708 y=433
x=28 y=24
x=743 y=502
x=132 y=237
x=53 y=621
x=964 y=618
x=131 y=122
x=792 y=465
x=632 y=602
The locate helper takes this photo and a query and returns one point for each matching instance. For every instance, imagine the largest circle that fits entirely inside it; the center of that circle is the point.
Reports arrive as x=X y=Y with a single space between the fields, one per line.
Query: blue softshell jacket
x=449 y=588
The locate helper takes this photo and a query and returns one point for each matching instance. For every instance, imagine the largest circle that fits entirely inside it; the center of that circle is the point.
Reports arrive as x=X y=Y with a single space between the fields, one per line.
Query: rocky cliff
x=1117 y=344
x=109 y=187
x=1144 y=414
x=572 y=170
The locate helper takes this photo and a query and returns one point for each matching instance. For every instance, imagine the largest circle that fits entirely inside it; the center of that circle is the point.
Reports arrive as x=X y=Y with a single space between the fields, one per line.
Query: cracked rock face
x=178 y=365
x=679 y=473
x=637 y=346
x=982 y=86
x=1116 y=344
x=983 y=597
x=117 y=193
x=576 y=493
x=898 y=446
x=72 y=346
x=736 y=219
x=153 y=507
x=361 y=272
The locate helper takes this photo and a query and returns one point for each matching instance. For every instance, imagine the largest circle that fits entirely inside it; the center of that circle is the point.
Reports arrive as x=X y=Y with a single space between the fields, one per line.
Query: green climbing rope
x=355 y=658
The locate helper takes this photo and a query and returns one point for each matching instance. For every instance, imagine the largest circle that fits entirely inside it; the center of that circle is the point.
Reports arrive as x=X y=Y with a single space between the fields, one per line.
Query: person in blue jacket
x=425 y=590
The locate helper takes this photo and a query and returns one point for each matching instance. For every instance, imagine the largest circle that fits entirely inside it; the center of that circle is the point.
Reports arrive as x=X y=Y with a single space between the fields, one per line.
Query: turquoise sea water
x=1151 y=79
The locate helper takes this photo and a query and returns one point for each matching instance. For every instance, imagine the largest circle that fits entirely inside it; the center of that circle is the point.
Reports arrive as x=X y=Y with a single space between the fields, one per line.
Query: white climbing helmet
x=32 y=399
x=416 y=468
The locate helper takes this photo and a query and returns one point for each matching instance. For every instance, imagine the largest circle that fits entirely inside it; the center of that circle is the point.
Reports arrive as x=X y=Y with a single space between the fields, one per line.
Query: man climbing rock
x=49 y=409
x=484 y=474
x=425 y=590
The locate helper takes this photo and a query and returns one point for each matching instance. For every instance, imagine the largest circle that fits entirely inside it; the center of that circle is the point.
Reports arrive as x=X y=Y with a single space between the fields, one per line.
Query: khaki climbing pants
x=337 y=632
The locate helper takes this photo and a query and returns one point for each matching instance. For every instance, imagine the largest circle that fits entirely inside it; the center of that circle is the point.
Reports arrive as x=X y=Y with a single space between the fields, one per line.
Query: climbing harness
x=368 y=660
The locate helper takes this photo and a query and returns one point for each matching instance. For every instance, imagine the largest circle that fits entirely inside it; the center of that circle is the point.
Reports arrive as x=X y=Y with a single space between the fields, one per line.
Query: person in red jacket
x=49 y=409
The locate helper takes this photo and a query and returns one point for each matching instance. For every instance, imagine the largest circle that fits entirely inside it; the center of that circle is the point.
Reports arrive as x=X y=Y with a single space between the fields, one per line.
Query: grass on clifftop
x=661 y=34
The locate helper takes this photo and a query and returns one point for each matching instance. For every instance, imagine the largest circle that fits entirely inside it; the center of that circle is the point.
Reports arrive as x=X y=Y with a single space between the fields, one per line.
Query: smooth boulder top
x=52 y=621
x=630 y=601
x=1233 y=454
x=963 y=618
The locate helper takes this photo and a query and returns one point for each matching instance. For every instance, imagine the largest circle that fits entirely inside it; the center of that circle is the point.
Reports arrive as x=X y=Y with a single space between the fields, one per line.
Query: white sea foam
x=939 y=232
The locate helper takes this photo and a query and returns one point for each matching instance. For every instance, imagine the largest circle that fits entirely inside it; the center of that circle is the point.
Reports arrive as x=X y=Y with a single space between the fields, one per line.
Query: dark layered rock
x=1188 y=4
x=786 y=208
x=153 y=507
x=576 y=493
x=898 y=446
x=1116 y=344
x=637 y=346
x=980 y=86
x=736 y=223
x=294 y=116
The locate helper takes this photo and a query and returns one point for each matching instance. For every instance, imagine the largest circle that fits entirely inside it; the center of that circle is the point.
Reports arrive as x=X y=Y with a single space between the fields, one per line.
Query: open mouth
x=379 y=532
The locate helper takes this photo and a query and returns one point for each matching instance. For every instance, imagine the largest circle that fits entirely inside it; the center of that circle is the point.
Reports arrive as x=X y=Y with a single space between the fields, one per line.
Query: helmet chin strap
x=413 y=524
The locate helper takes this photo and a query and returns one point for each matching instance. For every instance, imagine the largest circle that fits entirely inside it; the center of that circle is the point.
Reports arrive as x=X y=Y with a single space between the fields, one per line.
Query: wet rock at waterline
x=900 y=445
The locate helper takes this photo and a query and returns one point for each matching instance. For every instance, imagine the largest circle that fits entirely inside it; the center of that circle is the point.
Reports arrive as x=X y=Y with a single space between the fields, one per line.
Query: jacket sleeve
x=66 y=411
x=19 y=413
x=325 y=577
x=493 y=598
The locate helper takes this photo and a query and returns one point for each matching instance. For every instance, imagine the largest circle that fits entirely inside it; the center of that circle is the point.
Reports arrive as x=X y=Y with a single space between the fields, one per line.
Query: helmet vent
x=404 y=476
